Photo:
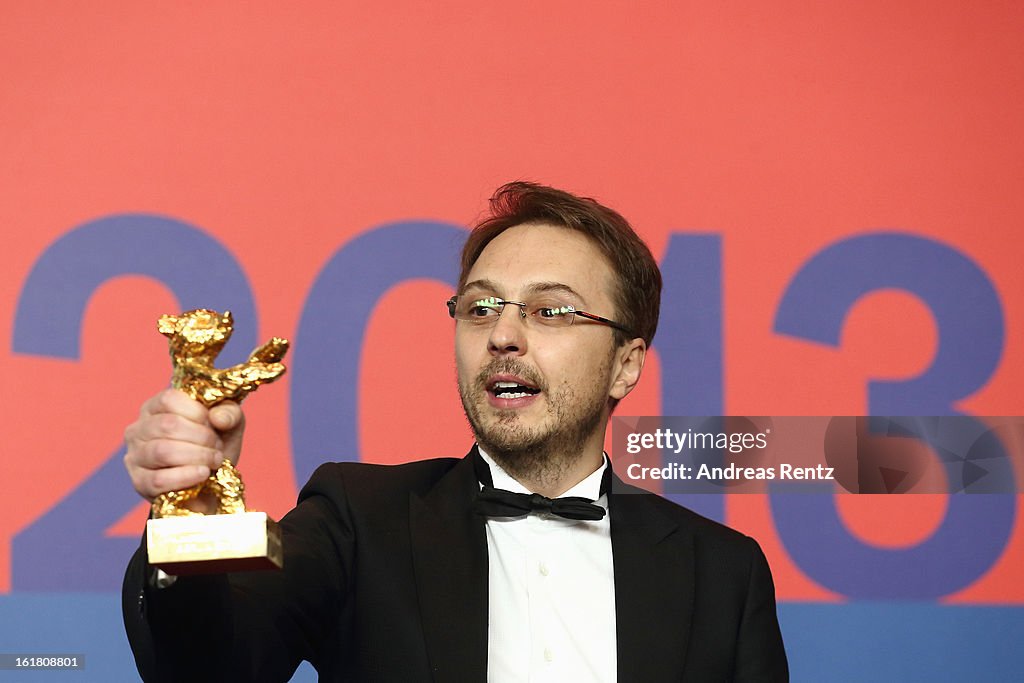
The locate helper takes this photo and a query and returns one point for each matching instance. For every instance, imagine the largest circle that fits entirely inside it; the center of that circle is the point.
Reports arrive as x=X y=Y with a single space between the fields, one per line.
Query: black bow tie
x=492 y=502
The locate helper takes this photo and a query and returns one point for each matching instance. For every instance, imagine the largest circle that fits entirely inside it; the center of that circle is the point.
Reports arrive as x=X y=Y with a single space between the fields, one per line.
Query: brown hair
x=638 y=295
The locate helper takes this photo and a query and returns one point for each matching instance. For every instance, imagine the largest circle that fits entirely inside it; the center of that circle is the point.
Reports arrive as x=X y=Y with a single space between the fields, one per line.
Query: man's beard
x=542 y=453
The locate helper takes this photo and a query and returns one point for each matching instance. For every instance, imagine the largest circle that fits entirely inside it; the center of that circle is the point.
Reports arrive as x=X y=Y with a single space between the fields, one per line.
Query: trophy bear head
x=200 y=332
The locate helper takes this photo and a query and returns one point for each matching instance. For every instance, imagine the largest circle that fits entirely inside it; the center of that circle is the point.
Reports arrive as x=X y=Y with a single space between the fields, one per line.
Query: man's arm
x=760 y=655
x=175 y=632
x=244 y=626
x=254 y=626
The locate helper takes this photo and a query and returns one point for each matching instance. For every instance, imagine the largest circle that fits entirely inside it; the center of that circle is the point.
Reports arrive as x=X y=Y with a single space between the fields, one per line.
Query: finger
x=163 y=453
x=174 y=427
x=152 y=483
x=177 y=402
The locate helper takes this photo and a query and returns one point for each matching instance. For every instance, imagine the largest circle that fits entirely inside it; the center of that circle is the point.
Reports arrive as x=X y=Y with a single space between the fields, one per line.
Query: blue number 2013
x=338 y=308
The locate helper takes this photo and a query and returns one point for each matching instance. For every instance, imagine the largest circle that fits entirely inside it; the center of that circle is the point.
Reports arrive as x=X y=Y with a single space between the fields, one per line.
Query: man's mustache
x=510 y=366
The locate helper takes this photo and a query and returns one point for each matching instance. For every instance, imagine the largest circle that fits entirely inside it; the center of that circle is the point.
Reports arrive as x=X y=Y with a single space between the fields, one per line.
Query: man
x=432 y=571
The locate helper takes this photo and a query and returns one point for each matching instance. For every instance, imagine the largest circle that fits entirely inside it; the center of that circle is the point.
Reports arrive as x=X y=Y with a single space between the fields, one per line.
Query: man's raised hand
x=177 y=442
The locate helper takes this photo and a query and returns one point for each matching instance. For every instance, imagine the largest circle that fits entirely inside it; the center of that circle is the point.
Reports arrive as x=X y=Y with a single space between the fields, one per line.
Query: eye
x=483 y=308
x=553 y=311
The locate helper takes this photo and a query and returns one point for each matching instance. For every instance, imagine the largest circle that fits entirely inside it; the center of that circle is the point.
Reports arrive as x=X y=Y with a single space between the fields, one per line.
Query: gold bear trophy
x=181 y=541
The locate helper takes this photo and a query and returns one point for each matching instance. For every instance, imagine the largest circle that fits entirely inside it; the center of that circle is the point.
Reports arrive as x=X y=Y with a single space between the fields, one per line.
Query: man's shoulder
x=371 y=479
x=705 y=532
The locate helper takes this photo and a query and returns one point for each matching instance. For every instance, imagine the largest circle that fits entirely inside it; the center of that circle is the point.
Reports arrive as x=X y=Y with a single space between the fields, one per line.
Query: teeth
x=512 y=390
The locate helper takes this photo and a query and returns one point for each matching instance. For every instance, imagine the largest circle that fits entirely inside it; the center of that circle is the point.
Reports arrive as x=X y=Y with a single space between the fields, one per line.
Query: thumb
x=225 y=416
x=229 y=420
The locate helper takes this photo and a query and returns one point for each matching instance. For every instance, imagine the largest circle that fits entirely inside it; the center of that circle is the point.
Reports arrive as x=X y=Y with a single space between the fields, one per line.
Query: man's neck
x=553 y=482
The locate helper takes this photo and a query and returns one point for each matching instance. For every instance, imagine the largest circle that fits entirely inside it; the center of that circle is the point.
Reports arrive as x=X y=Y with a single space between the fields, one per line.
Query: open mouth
x=512 y=390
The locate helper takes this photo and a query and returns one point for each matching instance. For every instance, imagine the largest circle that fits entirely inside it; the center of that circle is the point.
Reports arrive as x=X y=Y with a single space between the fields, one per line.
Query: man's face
x=565 y=375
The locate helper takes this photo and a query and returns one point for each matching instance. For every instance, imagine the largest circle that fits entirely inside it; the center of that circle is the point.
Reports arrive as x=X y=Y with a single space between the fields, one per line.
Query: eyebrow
x=530 y=289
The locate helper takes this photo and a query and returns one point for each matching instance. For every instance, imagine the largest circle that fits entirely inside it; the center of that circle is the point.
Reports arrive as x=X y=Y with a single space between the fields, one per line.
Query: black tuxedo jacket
x=385 y=579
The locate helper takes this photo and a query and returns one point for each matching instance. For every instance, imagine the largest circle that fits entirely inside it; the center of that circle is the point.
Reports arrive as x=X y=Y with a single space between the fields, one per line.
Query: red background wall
x=285 y=131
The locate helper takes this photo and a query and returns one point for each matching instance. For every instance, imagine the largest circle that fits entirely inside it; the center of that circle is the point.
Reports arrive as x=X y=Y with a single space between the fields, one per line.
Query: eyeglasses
x=485 y=311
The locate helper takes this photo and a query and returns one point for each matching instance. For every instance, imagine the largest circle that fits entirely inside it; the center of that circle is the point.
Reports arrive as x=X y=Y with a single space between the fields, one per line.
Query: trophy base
x=213 y=544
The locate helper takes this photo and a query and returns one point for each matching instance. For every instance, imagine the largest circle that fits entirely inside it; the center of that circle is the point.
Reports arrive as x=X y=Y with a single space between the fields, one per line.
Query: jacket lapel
x=450 y=563
x=654 y=594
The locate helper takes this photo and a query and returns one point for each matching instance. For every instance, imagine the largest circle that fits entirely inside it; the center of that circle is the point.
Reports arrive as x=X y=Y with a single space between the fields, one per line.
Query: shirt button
x=543 y=569
x=549 y=656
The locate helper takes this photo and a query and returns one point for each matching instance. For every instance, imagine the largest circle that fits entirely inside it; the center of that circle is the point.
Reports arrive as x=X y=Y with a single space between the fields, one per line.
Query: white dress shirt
x=551 y=592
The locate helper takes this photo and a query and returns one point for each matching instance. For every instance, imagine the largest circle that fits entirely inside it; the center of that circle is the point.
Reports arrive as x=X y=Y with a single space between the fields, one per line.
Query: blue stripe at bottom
x=886 y=642
x=855 y=643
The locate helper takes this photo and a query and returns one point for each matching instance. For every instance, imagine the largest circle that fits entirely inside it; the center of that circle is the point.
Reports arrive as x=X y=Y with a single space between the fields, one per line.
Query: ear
x=168 y=325
x=629 y=364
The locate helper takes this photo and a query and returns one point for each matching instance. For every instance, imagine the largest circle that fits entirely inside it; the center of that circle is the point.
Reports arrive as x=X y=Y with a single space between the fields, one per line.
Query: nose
x=508 y=336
